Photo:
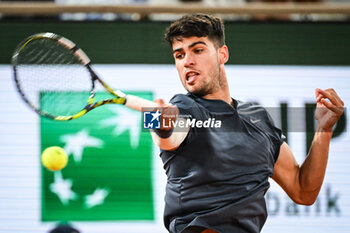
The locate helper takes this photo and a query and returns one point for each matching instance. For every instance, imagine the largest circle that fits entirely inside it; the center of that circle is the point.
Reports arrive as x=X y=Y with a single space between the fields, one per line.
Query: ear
x=223 y=54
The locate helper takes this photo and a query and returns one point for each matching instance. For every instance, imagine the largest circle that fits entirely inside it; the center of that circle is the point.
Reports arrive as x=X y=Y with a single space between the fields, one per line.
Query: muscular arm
x=303 y=182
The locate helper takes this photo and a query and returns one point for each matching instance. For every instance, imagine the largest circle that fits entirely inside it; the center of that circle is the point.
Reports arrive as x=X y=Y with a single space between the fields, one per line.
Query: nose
x=189 y=60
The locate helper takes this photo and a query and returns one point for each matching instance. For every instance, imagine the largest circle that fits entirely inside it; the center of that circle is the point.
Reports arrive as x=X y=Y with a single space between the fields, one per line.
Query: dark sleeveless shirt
x=218 y=177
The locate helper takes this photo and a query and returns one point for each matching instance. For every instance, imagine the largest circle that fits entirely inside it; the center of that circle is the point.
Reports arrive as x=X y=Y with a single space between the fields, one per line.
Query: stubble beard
x=210 y=87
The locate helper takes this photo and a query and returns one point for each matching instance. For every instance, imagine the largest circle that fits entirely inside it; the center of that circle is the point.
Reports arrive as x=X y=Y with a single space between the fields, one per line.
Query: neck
x=223 y=92
x=219 y=96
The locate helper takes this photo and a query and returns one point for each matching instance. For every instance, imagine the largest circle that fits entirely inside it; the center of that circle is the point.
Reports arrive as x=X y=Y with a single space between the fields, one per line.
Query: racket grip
x=138 y=103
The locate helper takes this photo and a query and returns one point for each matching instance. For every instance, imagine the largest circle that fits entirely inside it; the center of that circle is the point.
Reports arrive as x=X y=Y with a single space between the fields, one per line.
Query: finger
x=336 y=96
x=332 y=107
x=317 y=92
x=318 y=95
x=160 y=102
x=331 y=95
x=322 y=96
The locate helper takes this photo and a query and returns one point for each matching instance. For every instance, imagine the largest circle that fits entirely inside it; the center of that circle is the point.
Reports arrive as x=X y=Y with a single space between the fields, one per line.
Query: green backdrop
x=109 y=173
x=283 y=43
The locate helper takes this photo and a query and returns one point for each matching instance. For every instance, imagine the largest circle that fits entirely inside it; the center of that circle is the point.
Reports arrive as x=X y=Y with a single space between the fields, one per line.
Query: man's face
x=197 y=61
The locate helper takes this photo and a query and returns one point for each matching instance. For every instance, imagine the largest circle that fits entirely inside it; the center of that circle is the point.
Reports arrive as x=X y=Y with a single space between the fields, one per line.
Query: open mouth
x=191 y=77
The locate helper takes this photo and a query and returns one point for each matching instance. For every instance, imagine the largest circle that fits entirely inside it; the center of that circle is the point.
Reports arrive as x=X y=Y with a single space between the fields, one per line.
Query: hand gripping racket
x=49 y=70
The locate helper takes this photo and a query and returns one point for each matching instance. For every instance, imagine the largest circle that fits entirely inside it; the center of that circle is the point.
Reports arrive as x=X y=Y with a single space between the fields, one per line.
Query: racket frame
x=120 y=97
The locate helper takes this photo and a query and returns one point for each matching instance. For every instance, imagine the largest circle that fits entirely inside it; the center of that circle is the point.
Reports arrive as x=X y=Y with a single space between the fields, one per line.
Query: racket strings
x=52 y=78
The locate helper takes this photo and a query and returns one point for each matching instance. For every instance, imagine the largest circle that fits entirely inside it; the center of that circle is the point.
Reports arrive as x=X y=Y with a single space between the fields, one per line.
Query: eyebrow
x=190 y=46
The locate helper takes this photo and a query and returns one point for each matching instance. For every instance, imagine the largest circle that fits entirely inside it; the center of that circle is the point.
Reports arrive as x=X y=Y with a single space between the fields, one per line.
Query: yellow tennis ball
x=54 y=158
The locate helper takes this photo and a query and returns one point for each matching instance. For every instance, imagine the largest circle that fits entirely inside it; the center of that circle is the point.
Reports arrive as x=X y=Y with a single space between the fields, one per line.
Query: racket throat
x=94 y=77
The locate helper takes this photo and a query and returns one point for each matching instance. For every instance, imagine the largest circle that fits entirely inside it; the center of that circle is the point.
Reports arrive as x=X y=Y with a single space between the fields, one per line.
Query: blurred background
x=280 y=51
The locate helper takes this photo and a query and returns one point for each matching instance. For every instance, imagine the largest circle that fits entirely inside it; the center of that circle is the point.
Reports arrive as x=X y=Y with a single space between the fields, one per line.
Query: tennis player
x=218 y=175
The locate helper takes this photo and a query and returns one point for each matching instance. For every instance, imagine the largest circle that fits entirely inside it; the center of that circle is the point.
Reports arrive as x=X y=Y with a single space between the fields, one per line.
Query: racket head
x=53 y=76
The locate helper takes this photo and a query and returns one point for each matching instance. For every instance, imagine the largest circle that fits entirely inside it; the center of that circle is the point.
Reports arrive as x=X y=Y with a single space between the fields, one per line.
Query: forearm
x=312 y=171
x=170 y=139
x=170 y=143
x=138 y=103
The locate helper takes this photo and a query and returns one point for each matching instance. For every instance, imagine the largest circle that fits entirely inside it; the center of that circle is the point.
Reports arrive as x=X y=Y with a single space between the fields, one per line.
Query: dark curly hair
x=199 y=25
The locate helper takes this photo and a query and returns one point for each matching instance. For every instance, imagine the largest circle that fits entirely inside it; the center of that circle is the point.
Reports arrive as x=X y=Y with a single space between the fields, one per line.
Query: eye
x=198 y=50
x=179 y=55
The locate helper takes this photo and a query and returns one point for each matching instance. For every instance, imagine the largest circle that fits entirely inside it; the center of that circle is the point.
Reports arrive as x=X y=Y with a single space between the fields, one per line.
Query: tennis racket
x=49 y=70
